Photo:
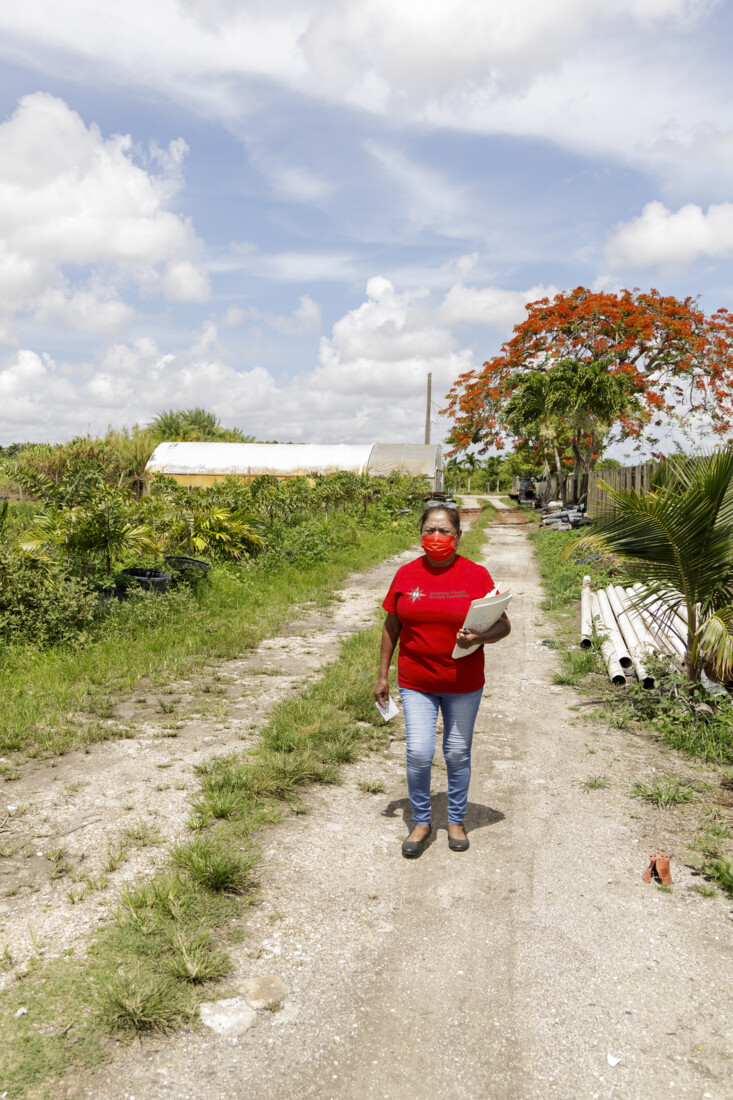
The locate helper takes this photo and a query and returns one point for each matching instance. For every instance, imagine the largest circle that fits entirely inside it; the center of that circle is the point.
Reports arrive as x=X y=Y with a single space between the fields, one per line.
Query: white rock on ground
x=229 y=1017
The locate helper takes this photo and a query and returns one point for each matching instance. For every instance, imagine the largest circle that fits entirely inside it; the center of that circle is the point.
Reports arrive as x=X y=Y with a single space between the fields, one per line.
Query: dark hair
x=452 y=513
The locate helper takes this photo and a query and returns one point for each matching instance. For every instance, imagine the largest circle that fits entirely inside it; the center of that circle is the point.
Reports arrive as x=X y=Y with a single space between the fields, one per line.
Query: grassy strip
x=562 y=581
x=472 y=541
x=54 y=700
x=151 y=969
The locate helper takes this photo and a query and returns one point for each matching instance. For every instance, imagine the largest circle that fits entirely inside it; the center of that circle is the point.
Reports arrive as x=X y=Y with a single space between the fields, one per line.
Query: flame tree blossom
x=611 y=367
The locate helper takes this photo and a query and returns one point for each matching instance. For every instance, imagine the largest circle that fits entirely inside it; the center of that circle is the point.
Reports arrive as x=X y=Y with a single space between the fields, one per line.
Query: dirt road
x=537 y=964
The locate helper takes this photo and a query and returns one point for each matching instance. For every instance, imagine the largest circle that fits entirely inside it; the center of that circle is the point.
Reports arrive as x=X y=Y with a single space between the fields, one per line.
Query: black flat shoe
x=457 y=845
x=411 y=849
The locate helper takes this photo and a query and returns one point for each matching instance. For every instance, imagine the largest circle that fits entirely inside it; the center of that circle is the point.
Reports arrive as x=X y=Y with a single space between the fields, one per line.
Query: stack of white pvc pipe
x=630 y=628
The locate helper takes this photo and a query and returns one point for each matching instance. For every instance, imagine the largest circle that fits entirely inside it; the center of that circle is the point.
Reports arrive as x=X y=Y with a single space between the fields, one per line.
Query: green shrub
x=42 y=603
x=685 y=714
x=88 y=529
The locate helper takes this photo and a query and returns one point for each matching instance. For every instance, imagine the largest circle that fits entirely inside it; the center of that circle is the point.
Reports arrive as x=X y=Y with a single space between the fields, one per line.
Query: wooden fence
x=628 y=477
x=587 y=489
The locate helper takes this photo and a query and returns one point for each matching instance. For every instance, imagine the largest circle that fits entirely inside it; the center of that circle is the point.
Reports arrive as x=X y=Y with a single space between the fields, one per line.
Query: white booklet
x=482 y=614
x=389 y=711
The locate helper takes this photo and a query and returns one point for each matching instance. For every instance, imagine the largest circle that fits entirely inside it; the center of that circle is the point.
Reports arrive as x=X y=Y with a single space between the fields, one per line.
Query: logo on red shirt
x=416 y=594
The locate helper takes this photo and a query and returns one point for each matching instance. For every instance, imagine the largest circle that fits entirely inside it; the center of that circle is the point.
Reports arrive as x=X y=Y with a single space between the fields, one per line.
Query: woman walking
x=426 y=606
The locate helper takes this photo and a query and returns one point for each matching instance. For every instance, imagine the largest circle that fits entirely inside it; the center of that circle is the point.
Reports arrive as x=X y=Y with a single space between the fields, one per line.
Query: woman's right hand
x=381 y=691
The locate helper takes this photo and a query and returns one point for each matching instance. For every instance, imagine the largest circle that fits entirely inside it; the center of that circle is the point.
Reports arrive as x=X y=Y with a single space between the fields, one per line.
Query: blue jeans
x=421 y=717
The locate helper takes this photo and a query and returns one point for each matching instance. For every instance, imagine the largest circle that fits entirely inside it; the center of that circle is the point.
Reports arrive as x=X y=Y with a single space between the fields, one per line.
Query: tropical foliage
x=103 y=523
x=80 y=532
x=585 y=369
x=677 y=538
x=195 y=425
x=573 y=406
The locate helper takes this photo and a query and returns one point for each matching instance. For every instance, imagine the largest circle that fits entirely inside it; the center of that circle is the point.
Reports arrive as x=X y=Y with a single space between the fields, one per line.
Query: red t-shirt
x=431 y=604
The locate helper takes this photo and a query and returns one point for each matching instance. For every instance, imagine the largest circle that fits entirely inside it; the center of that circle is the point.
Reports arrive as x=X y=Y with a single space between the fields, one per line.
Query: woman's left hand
x=466 y=638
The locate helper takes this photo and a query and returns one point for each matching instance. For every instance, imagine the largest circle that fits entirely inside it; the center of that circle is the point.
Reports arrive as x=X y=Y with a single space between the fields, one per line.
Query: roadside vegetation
x=76 y=629
x=173 y=933
x=679 y=711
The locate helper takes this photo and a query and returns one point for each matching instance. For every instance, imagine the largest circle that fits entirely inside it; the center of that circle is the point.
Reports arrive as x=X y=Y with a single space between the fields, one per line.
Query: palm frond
x=715 y=641
x=681 y=531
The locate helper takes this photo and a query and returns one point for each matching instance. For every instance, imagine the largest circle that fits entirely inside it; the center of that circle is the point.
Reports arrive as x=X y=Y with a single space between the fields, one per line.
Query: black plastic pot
x=152 y=580
x=187 y=565
x=104 y=595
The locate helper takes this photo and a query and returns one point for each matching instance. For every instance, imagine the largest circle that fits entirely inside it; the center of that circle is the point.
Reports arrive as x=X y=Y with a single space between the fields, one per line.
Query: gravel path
x=537 y=964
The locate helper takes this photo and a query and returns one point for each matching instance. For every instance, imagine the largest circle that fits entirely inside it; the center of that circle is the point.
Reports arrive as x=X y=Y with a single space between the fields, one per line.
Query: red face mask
x=438 y=546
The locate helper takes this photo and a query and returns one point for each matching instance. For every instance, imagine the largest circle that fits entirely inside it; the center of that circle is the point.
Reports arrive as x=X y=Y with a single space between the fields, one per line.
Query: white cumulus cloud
x=489 y=305
x=373 y=368
x=72 y=200
x=666 y=238
x=94 y=308
x=368 y=381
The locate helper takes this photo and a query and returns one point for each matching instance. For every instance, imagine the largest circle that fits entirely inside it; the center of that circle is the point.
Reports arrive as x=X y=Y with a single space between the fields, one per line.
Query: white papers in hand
x=482 y=614
x=389 y=711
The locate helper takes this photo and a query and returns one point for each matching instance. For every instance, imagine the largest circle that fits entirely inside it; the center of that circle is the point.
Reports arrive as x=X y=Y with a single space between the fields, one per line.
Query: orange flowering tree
x=585 y=369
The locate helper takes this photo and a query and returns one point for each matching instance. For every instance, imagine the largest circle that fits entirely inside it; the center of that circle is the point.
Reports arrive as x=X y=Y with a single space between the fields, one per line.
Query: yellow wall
x=203 y=481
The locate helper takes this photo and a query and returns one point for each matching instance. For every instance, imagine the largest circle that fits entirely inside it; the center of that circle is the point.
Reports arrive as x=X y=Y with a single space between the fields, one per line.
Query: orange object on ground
x=658 y=868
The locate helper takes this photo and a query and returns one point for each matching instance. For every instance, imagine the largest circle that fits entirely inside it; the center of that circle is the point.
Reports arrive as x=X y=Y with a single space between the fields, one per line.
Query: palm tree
x=590 y=399
x=470 y=461
x=677 y=538
x=533 y=411
x=570 y=407
x=194 y=425
x=103 y=523
x=454 y=466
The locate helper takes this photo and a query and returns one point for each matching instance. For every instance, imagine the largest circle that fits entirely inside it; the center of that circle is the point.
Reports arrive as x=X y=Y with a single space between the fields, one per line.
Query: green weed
x=213 y=865
x=371 y=786
x=719 y=869
x=116 y=856
x=220 y=804
x=136 y=1000
x=60 y=862
x=577 y=664
x=619 y=716
x=141 y=834
x=663 y=792
x=195 y=957
x=596 y=782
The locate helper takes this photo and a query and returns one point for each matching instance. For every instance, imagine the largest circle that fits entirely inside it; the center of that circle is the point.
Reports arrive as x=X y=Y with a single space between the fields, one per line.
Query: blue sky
x=289 y=212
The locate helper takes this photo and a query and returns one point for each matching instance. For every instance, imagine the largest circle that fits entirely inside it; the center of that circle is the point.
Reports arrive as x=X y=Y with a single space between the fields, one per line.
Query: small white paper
x=389 y=711
x=613 y=1061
